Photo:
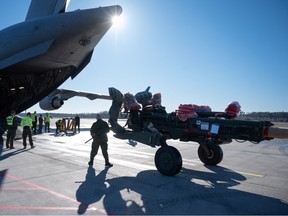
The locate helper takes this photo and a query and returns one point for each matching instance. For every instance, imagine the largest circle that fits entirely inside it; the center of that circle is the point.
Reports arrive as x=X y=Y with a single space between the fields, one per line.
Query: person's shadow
x=92 y=189
x=10 y=153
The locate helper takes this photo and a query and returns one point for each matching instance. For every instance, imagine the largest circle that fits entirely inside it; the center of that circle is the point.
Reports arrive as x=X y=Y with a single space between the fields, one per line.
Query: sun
x=117 y=21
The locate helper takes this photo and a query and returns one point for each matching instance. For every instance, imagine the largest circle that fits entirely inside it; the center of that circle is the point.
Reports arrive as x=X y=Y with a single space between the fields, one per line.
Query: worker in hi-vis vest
x=47 y=119
x=26 y=123
x=12 y=127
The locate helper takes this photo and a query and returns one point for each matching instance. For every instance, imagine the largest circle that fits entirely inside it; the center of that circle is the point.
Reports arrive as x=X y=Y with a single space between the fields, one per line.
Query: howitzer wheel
x=168 y=160
x=215 y=157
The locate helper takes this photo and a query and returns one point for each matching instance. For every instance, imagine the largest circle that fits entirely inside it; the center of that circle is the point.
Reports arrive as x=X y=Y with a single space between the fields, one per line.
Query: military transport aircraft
x=42 y=52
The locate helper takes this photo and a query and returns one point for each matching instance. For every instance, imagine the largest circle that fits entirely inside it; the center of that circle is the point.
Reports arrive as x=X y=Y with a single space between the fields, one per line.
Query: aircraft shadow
x=189 y=192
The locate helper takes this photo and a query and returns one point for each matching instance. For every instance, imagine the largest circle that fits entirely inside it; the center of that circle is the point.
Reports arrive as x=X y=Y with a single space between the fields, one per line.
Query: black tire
x=168 y=160
x=215 y=157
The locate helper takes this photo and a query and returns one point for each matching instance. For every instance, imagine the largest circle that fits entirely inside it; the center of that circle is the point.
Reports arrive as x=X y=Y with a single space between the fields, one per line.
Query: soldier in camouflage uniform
x=99 y=132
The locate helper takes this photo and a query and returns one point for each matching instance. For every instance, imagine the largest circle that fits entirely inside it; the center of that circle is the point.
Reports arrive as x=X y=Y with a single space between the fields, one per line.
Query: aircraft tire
x=168 y=160
x=216 y=154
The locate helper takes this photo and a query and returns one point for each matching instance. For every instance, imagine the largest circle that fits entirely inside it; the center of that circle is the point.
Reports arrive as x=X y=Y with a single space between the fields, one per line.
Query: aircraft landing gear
x=168 y=160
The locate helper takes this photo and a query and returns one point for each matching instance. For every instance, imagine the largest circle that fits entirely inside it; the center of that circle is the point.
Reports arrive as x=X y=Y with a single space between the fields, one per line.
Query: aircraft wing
x=56 y=98
x=46 y=7
x=67 y=94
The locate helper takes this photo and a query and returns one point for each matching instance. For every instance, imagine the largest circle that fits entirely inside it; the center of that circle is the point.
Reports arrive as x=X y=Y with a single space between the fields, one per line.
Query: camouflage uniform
x=99 y=132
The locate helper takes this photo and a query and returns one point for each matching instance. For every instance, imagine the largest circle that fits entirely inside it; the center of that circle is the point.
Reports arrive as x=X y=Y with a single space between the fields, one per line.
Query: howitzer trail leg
x=145 y=137
x=117 y=100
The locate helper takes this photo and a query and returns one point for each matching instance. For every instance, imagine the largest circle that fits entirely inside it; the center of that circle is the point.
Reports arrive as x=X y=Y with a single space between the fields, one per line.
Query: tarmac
x=54 y=179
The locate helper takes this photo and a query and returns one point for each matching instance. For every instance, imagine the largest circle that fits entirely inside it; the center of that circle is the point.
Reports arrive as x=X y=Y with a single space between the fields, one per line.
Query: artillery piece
x=153 y=126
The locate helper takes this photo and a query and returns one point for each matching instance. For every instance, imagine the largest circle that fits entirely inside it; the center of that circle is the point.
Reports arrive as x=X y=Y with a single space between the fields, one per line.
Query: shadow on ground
x=190 y=192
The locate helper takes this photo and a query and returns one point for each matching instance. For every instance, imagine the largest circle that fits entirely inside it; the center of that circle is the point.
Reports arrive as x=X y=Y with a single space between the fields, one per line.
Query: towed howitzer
x=153 y=126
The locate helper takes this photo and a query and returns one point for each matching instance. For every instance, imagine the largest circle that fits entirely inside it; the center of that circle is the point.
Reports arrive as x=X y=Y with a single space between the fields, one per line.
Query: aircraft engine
x=51 y=103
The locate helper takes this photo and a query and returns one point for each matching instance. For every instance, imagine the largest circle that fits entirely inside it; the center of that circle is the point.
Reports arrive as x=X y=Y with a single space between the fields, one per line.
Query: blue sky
x=206 y=52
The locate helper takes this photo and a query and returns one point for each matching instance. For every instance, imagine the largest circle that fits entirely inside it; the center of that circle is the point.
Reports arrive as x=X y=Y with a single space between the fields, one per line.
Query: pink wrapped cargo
x=130 y=102
x=186 y=111
x=155 y=100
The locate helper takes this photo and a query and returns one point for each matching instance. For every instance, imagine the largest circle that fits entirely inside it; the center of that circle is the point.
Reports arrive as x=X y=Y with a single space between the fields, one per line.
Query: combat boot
x=107 y=164
x=90 y=163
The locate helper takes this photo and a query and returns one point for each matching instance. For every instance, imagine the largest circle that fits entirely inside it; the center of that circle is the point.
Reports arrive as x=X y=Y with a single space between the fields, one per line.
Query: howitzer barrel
x=275 y=132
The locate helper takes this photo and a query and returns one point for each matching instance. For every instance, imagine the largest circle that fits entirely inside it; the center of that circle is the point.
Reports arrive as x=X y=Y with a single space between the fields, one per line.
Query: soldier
x=26 y=123
x=12 y=127
x=99 y=132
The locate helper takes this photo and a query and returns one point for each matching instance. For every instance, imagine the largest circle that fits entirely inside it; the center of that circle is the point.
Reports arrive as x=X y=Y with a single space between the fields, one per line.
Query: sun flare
x=117 y=21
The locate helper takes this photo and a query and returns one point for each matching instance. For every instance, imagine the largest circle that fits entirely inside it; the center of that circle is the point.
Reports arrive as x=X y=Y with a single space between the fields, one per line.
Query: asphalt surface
x=55 y=179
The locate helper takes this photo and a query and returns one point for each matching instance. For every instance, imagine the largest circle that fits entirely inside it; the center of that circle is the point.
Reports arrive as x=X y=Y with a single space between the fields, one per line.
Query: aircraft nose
x=117 y=10
x=107 y=13
x=114 y=10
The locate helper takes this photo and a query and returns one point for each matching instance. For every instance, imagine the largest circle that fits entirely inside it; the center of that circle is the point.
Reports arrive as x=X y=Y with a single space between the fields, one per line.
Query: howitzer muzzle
x=275 y=132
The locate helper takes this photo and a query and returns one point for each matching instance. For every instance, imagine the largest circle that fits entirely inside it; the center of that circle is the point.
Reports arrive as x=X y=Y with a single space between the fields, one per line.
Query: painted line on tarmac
x=41 y=188
x=141 y=166
x=250 y=174
x=38 y=208
x=18 y=189
x=37 y=187
x=134 y=165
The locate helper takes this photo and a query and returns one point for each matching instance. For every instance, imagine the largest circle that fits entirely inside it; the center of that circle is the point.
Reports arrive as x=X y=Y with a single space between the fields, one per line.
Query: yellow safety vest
x=47 y=118
x=33 y=117
x=9 y=120
x=26 y=121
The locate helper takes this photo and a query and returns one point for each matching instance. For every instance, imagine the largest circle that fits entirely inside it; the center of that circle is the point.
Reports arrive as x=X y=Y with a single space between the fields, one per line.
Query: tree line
x=265 y=116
